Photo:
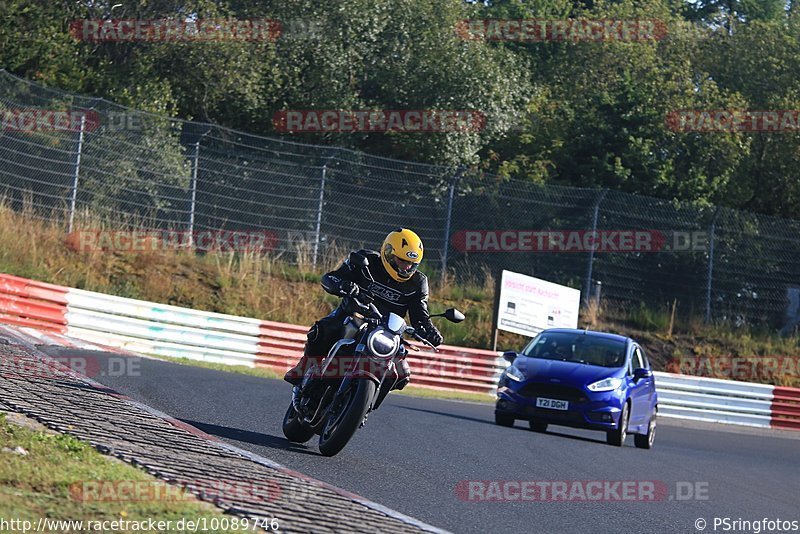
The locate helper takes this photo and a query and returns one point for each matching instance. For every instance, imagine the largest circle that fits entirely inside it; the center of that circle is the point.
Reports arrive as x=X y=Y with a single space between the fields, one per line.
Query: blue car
x=581 y=379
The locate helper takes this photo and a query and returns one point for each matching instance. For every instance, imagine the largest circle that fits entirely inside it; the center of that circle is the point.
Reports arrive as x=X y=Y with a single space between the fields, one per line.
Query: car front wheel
x=503 y=419
x=617 y=436
x=538 y=426
x=645 y=441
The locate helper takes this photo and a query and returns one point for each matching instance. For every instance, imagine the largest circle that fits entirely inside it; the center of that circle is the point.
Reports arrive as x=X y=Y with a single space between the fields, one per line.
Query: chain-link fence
x=134 y=168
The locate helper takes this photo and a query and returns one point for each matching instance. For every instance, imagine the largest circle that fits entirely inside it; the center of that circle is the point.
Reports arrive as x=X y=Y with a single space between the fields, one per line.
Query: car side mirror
x=510 y=356
x=357 y=260
x=453 y=315
x=641 y=373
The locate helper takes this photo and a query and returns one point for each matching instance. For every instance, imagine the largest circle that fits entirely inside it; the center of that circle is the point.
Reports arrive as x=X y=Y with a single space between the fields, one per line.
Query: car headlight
x=607 y=384
x=514 y=374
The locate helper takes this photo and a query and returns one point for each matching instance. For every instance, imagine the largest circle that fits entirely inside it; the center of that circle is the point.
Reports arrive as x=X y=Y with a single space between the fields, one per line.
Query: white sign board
x=528 y=305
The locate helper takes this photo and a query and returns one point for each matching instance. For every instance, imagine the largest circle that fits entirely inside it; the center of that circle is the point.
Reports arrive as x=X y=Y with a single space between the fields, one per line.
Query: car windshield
x=578 y=347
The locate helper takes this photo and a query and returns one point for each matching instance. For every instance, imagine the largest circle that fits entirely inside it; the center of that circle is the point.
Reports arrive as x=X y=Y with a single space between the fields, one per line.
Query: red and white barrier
x=38 y=337
x=26 y=302
x=164 y=330
x=786 y=408
x=46 y=311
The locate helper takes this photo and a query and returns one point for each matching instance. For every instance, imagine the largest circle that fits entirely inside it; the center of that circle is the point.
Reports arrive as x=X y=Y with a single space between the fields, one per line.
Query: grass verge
x=46 y=481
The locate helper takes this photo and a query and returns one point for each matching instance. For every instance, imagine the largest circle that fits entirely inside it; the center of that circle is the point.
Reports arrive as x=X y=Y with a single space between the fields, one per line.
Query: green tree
x=728 y=12
x=761 y=62
x=600 y=119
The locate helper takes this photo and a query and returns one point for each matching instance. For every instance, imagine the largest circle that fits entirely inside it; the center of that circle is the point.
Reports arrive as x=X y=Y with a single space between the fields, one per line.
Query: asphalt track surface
x=414 y=452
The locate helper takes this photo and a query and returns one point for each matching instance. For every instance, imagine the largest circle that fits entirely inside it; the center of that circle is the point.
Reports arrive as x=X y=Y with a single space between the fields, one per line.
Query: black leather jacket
x=390 y=295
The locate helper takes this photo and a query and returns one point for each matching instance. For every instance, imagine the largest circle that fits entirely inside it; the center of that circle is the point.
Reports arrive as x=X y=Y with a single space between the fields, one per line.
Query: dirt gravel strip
x=239 y=482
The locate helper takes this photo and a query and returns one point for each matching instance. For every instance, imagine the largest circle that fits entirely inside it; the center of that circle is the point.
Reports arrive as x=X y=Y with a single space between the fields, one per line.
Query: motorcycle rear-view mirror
x=358 y=260
x=453 y=315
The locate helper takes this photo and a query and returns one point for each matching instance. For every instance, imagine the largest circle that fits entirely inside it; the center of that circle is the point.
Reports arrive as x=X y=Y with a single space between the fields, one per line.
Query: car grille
x=555 y=415
x=553 y=391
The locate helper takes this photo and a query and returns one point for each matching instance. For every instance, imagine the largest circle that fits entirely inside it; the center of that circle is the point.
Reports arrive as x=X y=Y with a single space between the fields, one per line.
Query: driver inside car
x=398 y=287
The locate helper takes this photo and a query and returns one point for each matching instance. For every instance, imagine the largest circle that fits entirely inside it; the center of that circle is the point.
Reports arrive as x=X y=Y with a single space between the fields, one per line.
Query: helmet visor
x=403 y=268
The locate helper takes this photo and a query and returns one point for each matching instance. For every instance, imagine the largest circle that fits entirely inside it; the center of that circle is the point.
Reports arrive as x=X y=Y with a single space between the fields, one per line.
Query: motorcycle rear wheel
x=344 y=422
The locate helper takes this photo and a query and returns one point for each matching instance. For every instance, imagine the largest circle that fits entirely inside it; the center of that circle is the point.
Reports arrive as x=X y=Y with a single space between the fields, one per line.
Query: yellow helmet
x=401 y=254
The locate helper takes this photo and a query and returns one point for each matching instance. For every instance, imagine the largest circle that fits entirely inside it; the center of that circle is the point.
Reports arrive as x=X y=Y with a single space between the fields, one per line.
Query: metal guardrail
x=164 y=330
x=714 y=400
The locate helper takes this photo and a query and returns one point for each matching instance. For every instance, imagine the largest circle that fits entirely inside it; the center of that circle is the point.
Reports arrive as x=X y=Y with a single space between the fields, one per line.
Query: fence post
x=76 y=174
x=450 y=197
x=320 y=203
x=587 y=285
x=195 y=166
x=318 y=226
x=709 y=278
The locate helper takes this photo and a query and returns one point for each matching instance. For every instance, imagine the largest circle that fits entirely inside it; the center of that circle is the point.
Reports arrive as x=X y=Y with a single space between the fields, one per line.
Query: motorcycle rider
x=398 y=287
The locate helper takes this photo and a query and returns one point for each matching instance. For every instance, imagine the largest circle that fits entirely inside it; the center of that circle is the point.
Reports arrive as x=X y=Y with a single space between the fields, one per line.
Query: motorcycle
x=335 y=397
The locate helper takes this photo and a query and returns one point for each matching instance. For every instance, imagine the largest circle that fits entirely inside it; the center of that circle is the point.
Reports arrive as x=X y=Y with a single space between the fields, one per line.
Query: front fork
x=323 y=408
x=384 y=384
x=323 y=368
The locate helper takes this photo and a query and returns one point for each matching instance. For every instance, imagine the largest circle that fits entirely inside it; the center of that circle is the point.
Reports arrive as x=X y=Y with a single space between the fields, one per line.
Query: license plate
x=552 y=404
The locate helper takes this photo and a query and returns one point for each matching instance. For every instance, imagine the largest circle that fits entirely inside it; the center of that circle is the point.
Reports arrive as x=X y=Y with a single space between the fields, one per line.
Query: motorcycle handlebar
x=377 y=314
x=367 y=305
x=375 y=310
x=409 y=345
x=425 y=341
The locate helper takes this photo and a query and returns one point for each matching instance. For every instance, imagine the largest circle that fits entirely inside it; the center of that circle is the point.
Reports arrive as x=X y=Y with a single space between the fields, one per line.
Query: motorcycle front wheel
x=294 y=429
x=346 y=416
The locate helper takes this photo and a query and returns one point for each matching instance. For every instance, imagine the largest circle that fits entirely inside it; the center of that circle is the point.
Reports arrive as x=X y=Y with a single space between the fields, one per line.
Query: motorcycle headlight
x=607 y=384
x=514 y=374
x=382 y=343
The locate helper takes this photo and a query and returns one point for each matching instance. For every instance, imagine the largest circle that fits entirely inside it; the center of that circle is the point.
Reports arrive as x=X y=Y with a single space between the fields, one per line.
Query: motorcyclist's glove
x=430 y=333
x=365 y=296
x=348 y=288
